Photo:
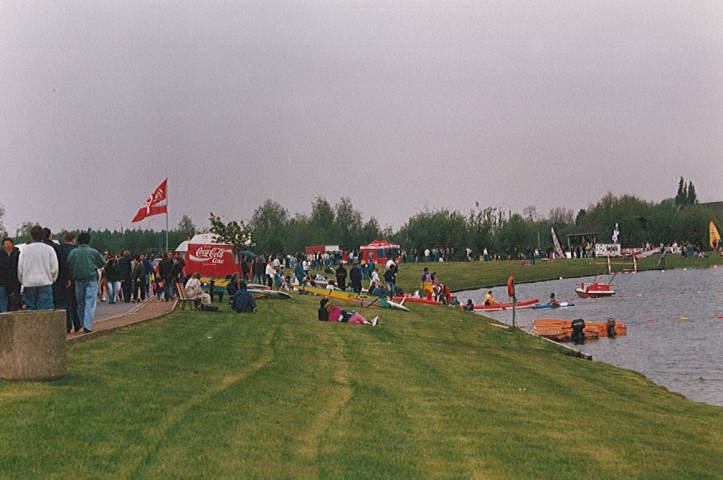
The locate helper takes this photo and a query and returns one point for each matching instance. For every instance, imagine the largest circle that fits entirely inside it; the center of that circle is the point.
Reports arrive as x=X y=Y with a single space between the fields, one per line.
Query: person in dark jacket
x=245 y=268
x=126 y=271
x=356 y=277
x=243 y=301
x=232 y=286
x=138 y=275
x=177 y=274
x=9 y=285
x=390 y=277
x=341 y=276
x=12 y=287
x=112 y=279
x=165 y=272
x=60 y=300
x=72 y=320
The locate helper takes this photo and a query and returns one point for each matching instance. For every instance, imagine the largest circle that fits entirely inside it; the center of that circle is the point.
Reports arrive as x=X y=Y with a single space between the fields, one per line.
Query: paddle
x=372 y=302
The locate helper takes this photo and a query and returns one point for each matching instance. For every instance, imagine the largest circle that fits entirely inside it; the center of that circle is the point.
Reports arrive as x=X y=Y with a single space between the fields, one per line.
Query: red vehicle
x=208 y=257
x=322 y=249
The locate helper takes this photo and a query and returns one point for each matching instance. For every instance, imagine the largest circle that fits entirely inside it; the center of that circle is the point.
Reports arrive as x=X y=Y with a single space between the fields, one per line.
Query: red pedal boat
x=595 y=289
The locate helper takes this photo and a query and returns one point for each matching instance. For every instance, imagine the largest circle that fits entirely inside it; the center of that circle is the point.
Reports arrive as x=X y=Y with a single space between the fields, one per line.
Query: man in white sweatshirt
x=37 y=270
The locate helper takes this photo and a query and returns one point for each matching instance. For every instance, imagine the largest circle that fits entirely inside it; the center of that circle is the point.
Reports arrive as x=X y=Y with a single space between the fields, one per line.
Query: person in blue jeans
x=84 y=263
x=37 y=271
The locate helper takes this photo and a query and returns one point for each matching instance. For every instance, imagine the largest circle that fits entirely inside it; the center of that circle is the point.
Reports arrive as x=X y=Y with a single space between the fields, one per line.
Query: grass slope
x=433 y=393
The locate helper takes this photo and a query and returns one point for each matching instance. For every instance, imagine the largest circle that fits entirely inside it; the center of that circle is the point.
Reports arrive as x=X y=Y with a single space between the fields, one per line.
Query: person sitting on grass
x=212 y=291
x=328 y=312
x=470 y=306
x=243 y=301
x=194 y=291
x=489 y=300
x=232 y=286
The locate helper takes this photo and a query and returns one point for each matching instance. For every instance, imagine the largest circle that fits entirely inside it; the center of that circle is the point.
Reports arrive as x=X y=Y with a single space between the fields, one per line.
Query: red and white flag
x=155 y=204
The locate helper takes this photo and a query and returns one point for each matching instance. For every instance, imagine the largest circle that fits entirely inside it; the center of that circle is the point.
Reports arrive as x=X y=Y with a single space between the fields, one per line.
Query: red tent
x=380 y=251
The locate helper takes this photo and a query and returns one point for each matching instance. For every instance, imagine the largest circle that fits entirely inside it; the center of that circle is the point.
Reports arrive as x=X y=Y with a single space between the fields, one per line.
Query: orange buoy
x=511 y=287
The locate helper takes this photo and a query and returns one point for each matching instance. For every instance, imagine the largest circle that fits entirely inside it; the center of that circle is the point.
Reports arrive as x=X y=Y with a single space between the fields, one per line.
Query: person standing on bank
x=125 y=267
x=12 y=285
x=60 y=299
x=84 y=263
x=139 y=279
x=355 y=275
x=5 y=270
x=165 y=272
x=270 y=273
x=341 y=275
x=37 y=271
x=72 y=320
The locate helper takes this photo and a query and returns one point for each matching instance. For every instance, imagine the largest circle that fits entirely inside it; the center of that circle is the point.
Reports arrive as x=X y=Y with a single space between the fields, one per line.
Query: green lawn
x=433 y=393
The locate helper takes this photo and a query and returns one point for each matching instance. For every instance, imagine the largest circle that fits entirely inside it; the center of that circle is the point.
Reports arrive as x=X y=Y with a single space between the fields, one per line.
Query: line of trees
x=272 y=229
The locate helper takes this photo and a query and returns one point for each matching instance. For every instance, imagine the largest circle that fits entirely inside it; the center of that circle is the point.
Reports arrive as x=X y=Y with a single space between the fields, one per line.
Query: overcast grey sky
x=402 y=106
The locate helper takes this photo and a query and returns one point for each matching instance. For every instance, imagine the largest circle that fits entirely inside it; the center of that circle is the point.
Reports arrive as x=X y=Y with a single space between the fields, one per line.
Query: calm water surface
x=674 y=320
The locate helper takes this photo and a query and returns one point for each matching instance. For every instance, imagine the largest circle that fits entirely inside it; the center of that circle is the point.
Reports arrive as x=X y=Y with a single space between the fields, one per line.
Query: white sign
x=608 y=250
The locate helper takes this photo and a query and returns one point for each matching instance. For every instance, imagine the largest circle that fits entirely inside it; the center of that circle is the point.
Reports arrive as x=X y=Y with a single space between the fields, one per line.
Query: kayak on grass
x=269 y=294
x=364 y=300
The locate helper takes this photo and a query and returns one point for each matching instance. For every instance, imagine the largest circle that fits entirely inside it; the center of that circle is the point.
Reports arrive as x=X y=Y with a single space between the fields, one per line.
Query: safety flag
x=155 y=204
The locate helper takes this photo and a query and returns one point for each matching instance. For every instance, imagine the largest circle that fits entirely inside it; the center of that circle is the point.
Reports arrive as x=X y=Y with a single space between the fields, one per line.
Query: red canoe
x=505 y=306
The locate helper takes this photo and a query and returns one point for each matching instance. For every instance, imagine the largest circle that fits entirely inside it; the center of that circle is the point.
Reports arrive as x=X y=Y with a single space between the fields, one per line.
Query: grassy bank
x=433 y=393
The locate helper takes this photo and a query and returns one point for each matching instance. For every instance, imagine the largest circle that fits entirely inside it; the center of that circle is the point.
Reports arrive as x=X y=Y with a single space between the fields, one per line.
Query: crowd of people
x=45 y=274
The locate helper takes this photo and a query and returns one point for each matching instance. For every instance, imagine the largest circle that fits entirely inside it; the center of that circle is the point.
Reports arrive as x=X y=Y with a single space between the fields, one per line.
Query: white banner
x=608 y=250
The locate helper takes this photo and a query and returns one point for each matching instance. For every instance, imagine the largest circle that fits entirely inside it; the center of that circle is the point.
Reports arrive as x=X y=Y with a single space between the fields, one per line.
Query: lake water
x=674 y=320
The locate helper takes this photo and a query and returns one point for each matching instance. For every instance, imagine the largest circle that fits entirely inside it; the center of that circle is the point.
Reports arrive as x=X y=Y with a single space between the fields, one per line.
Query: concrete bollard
x=32 y=345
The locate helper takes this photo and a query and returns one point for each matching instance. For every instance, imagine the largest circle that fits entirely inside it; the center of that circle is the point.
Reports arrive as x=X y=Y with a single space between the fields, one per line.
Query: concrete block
x=33 y=345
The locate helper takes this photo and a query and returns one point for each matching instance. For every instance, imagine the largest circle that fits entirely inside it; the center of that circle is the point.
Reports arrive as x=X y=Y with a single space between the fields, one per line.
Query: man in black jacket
x=125 y=269
x=390 y=277
x=356 y=277
x=341 y=276
x=61 y=301
x=72 y=320
x=165 y=271
x=10 y=254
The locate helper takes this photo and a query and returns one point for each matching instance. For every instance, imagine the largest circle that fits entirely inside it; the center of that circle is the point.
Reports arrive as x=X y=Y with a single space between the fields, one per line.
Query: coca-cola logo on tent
x=209 y=253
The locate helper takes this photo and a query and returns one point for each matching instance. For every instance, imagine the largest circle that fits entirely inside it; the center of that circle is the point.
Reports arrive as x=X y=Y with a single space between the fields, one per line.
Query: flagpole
x=166 y=216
